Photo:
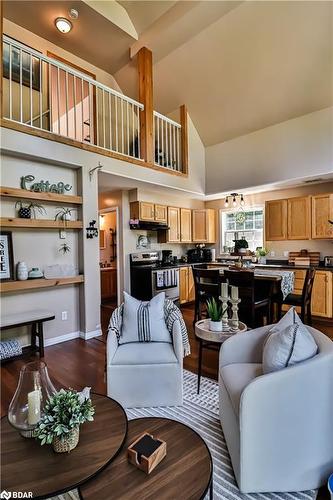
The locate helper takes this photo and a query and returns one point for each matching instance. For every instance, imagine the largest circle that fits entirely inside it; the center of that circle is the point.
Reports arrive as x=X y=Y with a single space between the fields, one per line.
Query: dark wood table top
x=28 y=466
x=185 y=472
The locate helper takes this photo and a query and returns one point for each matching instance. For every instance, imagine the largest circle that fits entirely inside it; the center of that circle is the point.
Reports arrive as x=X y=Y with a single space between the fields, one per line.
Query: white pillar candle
x=34 y=407
x=234 y=292
x=224 y=289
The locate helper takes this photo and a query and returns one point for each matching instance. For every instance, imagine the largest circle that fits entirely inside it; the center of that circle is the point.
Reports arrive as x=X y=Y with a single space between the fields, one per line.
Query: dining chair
x=207 y=284
x=303 y=301
x=255 y=297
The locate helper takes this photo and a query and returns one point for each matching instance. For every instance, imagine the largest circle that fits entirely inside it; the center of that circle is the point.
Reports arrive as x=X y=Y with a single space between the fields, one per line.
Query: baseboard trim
x=61 y=338
x=90 y=335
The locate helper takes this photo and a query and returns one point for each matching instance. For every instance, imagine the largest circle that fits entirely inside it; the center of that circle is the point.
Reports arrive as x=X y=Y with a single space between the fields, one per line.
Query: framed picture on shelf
x=6 y=256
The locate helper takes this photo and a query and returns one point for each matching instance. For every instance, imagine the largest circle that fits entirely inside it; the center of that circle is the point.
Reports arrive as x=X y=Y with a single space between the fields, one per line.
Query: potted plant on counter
x=261 y=254
x=215 y=313
x=64 y=412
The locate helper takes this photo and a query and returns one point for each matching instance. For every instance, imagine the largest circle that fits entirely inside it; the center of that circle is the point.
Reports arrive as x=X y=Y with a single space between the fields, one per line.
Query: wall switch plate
x=286 y=253
x=64 y=315
x=62 y=234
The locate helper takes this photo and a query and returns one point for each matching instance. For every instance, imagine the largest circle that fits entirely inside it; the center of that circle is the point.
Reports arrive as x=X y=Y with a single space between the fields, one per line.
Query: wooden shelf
x=40 y=223
x=10 y=192
x=35 y=284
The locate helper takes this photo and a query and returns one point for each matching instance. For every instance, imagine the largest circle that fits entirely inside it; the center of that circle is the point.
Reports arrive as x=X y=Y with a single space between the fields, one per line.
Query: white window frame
x=235 y=209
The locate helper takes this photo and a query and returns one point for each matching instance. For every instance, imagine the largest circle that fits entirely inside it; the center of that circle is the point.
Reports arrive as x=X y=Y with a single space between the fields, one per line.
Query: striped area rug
x=201 y=412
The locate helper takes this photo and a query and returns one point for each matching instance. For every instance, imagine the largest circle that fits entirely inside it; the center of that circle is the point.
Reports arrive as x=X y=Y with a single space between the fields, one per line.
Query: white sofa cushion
x=236 y=377
x=142 y=353
x=144 y=321
x=288 y=342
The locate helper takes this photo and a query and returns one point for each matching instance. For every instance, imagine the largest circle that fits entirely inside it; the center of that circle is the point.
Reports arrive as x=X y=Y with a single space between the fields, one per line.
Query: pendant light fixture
x=236 y=198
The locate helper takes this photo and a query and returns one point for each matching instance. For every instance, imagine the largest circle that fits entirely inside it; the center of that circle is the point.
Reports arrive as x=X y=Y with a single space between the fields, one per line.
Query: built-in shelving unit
x=35 y=284
x=40 y=223
x=9 y=192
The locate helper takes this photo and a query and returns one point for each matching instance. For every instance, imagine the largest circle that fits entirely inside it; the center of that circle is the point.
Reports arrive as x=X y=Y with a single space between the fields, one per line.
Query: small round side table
x=211 y=340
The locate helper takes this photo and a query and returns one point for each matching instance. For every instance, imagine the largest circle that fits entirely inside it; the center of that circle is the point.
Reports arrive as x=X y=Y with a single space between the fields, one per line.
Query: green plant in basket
x=63 y=414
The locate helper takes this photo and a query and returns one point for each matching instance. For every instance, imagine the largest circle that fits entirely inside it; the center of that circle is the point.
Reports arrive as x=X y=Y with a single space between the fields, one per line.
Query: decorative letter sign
x=43 y=186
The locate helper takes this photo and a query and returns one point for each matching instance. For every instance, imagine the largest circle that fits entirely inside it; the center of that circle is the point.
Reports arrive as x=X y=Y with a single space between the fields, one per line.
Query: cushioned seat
x=143 y=353
x=236 y=377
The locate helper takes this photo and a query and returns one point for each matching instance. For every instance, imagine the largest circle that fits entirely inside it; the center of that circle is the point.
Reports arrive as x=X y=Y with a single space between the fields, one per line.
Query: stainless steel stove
x=149 y=276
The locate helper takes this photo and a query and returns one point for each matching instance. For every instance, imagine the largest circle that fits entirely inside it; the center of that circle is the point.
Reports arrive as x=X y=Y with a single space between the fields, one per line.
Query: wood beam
x=184 y=138
x=145 y=70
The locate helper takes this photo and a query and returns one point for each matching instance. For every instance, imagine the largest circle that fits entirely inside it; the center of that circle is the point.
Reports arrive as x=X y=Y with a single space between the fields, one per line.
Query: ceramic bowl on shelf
x=35 y=273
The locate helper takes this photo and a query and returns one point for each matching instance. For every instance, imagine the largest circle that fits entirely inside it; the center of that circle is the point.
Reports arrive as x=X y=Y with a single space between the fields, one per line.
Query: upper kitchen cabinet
x=299 y=218
x=203 y=226
x=322 y=213
x=185 y=225
x=173 y=235
x=147 y=211
x=276 y=220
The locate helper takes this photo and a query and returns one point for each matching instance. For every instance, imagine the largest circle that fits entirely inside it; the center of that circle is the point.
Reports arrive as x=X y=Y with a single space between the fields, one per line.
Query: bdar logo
x=5 y=494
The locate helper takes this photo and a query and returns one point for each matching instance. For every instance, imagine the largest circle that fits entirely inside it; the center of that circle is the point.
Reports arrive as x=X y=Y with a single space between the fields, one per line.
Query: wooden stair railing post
x=145 y=70
x=184 y=138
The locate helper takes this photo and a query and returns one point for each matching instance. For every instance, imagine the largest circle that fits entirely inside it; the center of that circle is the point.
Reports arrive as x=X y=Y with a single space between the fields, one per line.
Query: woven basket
x=66 y=444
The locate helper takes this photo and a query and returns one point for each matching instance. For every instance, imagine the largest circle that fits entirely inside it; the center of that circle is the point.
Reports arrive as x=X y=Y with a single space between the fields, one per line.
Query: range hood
x=136 y=224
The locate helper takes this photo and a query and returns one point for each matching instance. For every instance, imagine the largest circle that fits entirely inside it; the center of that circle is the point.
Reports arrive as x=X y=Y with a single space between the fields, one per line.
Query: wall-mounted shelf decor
x=21 y=286
x=40 y=223
x=10 y=192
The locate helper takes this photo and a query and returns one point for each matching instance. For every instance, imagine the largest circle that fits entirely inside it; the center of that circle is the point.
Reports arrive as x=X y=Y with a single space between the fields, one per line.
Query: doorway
x=108 y=261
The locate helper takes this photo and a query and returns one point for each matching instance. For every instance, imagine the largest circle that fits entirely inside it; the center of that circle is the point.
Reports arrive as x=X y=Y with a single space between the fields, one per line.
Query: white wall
x=290 y=150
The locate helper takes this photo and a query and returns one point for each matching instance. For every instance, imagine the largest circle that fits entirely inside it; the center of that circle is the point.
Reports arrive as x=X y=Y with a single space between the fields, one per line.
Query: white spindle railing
x=46 y=94
x=167 y=136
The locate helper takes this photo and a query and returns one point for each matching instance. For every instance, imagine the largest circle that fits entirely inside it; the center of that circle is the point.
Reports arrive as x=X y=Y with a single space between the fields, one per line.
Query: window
x=242 y=223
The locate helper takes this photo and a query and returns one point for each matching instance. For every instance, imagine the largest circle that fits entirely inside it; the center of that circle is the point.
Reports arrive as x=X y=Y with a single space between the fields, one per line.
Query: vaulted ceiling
x=238 y=65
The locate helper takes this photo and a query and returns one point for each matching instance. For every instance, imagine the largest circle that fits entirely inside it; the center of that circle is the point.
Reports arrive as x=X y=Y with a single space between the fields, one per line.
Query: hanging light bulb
x=234 y=203
x=226 y=202
x=242 y=202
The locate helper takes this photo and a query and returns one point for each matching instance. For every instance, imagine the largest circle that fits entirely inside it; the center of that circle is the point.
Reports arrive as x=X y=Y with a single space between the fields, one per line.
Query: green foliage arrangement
x=63 y=412
x=214 y=309
x=262 y=252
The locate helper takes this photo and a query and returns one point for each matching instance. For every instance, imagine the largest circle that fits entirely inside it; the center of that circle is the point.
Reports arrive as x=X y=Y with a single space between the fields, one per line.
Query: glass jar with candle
x=33 y=390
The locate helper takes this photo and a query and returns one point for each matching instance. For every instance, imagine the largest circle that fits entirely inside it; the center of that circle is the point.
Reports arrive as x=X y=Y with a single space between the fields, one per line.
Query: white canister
x=22 y=271
x=213 y=254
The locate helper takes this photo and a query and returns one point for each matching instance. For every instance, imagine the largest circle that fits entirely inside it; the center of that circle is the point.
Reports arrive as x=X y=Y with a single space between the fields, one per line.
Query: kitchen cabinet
x=173 y=234
x=322 y=212
x=185 y=225
x=203 y=226
x=322 y=293
x=147 y=211
x=299 y=218
x=186 y=285
x=276 y=220
x=108 y=284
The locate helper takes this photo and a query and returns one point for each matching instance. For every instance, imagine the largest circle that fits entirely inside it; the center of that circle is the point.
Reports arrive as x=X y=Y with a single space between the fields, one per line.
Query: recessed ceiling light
x=63 y=25
x=73 y=14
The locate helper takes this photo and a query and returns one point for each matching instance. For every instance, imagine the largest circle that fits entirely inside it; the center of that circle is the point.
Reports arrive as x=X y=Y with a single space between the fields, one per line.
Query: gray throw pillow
x=288 y=342
x=144 y=321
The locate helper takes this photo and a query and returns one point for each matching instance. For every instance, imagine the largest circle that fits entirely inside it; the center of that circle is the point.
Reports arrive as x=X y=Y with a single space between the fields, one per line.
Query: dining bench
x=35 y=319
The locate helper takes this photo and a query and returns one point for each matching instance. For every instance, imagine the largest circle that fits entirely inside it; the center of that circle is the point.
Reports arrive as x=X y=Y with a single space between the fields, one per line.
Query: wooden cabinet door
x=147 y=211
x=210 y=225
x=191 y=289
x=322 y=298
x=183 y=285
x=199 y=226
x=113 y=283
x=322 y=212
x=185 y=225
x=161 y=213
x=276 y=220
x=174 y=224
x=299 y=218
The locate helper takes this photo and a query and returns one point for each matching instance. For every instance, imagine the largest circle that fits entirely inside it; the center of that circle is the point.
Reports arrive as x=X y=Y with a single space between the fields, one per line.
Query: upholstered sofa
x=147 y=374
x=278 y=426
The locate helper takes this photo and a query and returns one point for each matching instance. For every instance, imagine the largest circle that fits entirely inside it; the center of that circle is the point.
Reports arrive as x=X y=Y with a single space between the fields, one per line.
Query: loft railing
x=46 y=94
x=167 y=136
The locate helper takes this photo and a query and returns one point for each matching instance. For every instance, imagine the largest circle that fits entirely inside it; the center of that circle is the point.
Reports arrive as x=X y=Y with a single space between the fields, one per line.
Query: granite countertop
x=270 y=265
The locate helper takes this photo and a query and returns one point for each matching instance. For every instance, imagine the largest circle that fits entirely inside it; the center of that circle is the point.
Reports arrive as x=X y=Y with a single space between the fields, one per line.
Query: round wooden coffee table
x=211 y=340
x=185 y=472
x=29 y=467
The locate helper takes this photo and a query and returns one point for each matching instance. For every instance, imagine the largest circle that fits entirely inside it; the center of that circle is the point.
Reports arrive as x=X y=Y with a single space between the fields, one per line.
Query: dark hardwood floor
x=78 y=363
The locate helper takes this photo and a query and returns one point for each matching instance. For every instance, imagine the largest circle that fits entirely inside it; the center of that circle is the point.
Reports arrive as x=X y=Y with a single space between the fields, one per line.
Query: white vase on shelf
x=22 y=271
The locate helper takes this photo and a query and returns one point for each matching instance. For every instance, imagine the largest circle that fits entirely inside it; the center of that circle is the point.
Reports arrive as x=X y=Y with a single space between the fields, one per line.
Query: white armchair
x=147 y=374
x=278 y=426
